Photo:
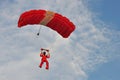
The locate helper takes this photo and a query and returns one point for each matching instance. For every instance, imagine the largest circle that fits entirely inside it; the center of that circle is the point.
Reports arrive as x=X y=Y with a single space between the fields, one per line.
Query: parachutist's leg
x=47 y=65
x=41 y=64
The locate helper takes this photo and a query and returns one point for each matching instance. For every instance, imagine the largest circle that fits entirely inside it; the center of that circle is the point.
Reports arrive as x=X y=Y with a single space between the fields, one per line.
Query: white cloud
x=71 y=58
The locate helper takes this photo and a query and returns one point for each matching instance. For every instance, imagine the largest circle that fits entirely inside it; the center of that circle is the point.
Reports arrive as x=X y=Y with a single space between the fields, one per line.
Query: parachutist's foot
x=47 y=68
x=40 y=66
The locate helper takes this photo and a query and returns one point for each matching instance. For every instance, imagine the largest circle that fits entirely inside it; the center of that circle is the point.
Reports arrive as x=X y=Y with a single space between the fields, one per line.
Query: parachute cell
x=53 y=20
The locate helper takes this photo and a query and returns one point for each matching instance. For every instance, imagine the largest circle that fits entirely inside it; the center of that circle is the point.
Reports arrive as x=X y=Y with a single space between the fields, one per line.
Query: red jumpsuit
x=44 y=59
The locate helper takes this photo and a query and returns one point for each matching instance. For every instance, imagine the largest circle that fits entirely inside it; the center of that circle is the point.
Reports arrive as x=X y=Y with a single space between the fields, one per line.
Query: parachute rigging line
x=39 y=31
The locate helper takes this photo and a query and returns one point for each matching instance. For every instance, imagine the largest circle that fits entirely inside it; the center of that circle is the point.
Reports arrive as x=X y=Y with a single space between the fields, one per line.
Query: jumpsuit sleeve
x=41 y=55
x=48 y=55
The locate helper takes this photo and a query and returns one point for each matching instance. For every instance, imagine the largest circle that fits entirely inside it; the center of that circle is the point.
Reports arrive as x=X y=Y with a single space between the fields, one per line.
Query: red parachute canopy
x=53 y=20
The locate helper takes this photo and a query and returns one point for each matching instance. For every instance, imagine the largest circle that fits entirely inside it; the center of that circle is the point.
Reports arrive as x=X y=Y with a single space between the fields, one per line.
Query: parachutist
x=44 y=54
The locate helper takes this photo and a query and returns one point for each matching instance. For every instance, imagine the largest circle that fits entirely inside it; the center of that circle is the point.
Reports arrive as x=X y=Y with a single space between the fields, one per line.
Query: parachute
x=61 y=24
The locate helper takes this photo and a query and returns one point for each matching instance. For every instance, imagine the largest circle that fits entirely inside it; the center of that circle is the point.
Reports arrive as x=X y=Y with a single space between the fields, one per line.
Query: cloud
x=71 y=59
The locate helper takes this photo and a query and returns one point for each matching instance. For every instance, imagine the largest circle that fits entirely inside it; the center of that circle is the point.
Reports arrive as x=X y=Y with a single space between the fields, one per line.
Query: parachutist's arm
x=41 y=55
x=48 y=55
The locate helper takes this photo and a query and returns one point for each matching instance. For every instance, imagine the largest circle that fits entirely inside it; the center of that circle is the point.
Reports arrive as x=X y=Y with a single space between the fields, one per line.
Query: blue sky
x=108 y=11
x=108 y=71
x=90 y=53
